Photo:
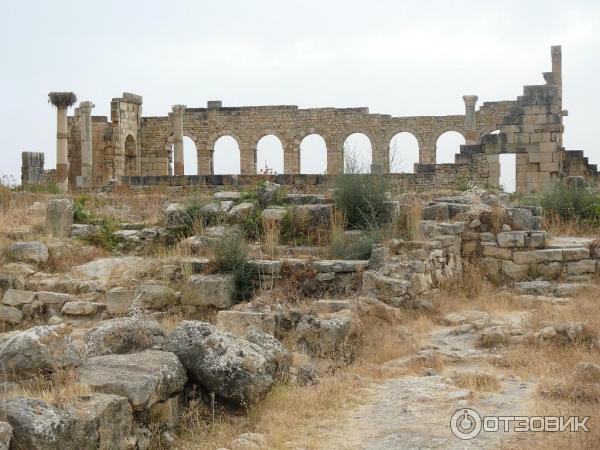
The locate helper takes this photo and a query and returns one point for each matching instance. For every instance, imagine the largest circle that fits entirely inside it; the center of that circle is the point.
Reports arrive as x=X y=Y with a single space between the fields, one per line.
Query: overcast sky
x=396 y=57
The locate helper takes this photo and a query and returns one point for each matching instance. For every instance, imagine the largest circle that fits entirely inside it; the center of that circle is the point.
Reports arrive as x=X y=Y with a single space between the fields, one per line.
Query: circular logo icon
x=465 y=424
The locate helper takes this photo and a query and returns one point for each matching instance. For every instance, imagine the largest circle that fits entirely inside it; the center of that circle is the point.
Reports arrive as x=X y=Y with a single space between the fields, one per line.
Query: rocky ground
x=247 y=320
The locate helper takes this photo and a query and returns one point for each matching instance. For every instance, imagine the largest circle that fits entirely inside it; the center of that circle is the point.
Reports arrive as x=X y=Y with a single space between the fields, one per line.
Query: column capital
x=470 y=100
x=86 y=106
x=178 y=109
x=62 y=99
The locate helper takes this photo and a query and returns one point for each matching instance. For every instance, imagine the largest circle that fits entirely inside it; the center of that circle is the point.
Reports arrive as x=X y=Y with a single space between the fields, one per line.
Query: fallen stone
x=28 y=252
x=236 y=370
x=241 y=211
x=41 y=348
x=240 y=322
x=144 y=378
x=81 y=308
x=153 y=296
x=533 y=287
x=11 y=315
x=209 y=290
x=15 y=297
x=119 y=300
x=514 y=271
x=332 y=337
x=123 y=335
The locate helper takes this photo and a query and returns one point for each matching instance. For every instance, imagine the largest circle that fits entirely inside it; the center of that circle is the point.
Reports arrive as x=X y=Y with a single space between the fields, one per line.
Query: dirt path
x=414 y=412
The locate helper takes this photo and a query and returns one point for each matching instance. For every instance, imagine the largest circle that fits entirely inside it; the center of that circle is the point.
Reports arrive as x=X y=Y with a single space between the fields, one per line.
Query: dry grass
x=270 y=238
x=477 y=381
x=557 y=226
x=57 y=389
x=497 y=218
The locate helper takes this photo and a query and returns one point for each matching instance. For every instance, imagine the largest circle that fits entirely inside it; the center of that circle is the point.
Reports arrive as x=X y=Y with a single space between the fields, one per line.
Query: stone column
x=556 y=53
x=85 y=117
x=62 y=101
x=471 y=137
x=178 y=168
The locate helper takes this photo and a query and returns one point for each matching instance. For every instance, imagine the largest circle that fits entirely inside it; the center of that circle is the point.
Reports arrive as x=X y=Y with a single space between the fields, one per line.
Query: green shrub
x=230 y=255
x=294 y=228
x=580 y=205
x=342 y=247
x=361 y=197
x=103 y=237
x=252 y=225
x=80 y=213
x=264 y=193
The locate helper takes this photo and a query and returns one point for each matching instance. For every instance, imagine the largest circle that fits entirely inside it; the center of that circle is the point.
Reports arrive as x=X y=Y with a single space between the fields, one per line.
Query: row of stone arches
x=403 y=153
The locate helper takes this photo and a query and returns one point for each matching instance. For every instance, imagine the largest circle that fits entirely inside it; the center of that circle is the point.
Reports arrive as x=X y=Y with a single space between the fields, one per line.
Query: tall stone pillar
x=85 y=117
x=178 y=168
x=62 y=101
x=471 y=137
x=556 y=53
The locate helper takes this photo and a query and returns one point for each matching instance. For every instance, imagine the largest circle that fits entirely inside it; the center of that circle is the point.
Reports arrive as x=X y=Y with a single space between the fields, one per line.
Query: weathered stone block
x=581 y=267
x=59 y=217
x=119 y=300
x=240 y=322
x=576 y=254
x=15 y=297
x=538 y=256
x=514 y=271
x=209 y=290
x=511 y=239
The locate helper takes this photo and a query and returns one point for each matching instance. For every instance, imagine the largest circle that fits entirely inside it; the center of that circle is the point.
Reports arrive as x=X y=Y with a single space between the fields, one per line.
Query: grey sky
x=396 y=57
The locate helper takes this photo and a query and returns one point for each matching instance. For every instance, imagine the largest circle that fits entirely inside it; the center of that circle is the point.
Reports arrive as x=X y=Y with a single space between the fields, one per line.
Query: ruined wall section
x=247 y=125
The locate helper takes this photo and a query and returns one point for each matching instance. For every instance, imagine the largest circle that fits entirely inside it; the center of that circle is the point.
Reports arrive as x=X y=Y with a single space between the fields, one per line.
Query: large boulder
x=520 y=219
x=28 y=252
x=278 y=355
x=209 y=290
x=59 y=217
x=153 y=296
x=123 y=335
x=94 y=421
x=42 y=348
x=145 y=378
x=236 y=370
x=241 y=211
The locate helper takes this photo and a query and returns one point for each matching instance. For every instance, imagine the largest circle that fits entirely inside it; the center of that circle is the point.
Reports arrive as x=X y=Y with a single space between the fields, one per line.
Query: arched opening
x=404 y=153
x=313 y=154
x=130 y=156
x=508 y=172
x=447 y=145
x=269 y=155
x=358 y=154
x=190 y=156
x=226 y=156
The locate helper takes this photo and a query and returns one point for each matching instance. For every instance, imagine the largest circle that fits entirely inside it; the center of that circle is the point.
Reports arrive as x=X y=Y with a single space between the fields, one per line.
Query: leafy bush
x=230 y=255
x=80 y=213
x=264 y=193
x=294 y=228
x=342 y=247
x=572 y=204
x=252 y=225
x=103 y=236
x=361 y=198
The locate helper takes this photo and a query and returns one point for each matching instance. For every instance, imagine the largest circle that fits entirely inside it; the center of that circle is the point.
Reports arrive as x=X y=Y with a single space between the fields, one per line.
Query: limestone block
x=511 y=239
x=581 y=267
x=240 y=322
x=11 y=315
x=497 y=252
x=59 y=217
x=119 y=300
x=538 y=256
x=576 y=254
x=209 y=290
x=491 y=266
x=28 y=252
x=514 y=271
x=16 y=297
x=81 y=308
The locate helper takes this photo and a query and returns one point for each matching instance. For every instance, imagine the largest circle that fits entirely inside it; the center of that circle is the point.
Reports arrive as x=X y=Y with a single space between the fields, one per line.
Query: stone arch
x=402 y=161
x=130 y=152
x=438 y=135
x=278 y=161
x=217 y=166
x=318 y=162
x=168 y=148
x=364 y=160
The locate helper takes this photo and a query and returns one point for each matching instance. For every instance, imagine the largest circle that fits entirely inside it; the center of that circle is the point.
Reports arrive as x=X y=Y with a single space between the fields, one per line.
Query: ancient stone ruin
x=133 y=149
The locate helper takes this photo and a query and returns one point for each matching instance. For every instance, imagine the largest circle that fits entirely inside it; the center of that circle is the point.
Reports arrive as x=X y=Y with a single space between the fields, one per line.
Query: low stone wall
x=521 y=255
